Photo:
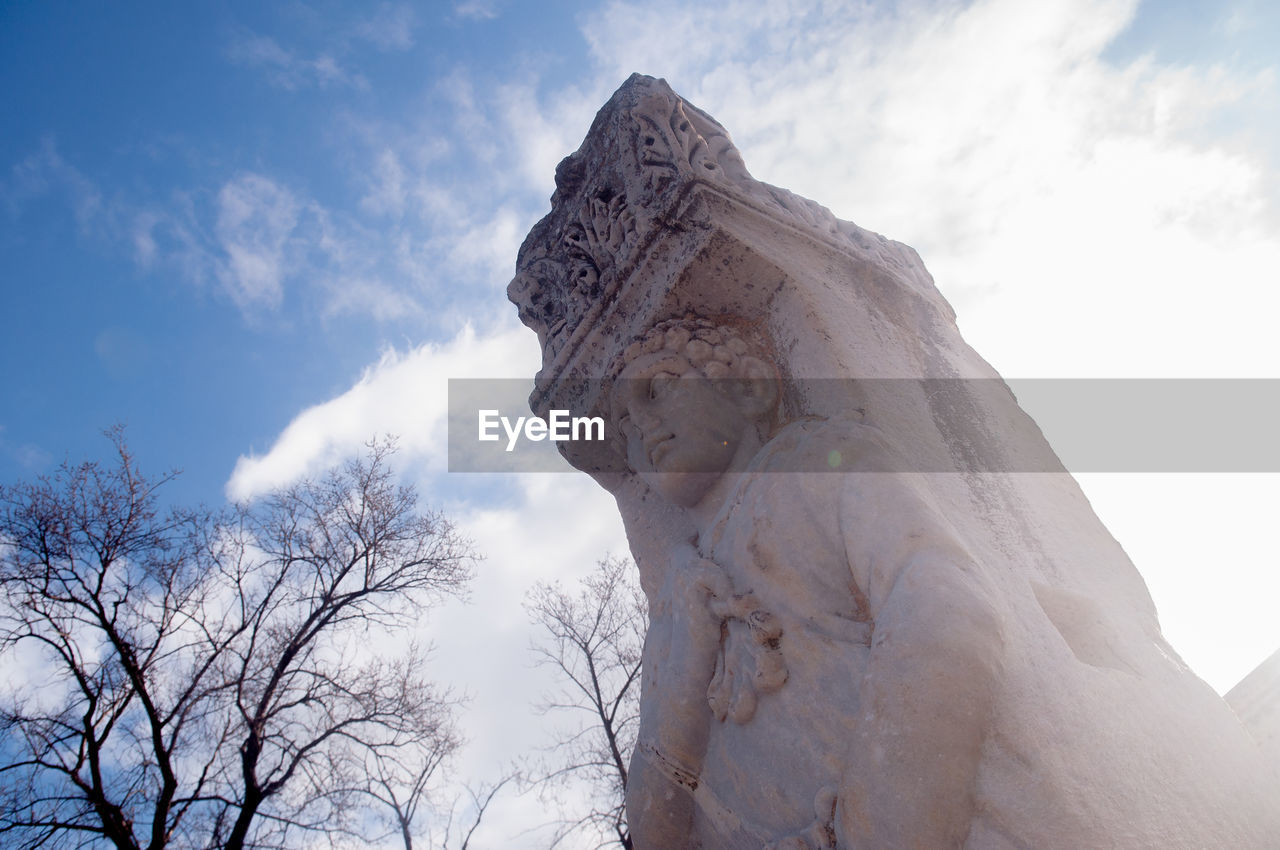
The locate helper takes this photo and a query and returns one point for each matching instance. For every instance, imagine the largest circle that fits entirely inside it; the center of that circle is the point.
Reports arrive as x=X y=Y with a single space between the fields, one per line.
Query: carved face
x=682 y=430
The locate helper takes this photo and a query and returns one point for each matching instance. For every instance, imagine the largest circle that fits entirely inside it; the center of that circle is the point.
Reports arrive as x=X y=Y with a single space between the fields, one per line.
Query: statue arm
x=680 y=652
x=932 y=675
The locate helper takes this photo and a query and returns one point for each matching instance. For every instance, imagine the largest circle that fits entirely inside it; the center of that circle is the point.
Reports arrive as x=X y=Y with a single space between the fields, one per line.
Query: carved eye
x=649 y=140
x=661 y=384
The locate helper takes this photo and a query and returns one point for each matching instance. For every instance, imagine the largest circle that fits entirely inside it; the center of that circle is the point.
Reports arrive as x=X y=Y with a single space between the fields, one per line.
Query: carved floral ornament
x=645 y=148
x=608 y=196
x=750 y=663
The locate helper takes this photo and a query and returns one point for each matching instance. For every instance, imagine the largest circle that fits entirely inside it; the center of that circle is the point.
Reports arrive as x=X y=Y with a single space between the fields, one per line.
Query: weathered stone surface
x=1256 y=701
x=877 y=656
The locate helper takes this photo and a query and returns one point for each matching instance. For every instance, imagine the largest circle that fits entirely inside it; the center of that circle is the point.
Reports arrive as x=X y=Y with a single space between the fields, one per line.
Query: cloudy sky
x=259 y=234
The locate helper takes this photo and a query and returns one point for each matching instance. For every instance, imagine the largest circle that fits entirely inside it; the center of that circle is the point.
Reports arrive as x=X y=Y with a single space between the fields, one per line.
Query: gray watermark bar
x=932 y=425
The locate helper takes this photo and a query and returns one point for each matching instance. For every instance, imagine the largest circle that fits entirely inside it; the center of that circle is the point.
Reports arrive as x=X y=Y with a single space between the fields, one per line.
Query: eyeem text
x=559 y=427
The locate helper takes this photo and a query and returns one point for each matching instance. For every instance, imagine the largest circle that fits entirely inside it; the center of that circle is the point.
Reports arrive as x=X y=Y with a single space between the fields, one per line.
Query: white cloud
x=288 y=70
x=1038 y=179
x=402 y=394
x=471 y=128
x=255 y=220
x=410 y=243
x=1204 y=545
x=440 y=218
x=487 y=245
x=378 y=299
x=476 y=10
x=559 y=525
x=550 y=526
x=27 y=456
x=47 y=171
x=543 y=133
x=144 y=241
x=386 y=195
x=390 y=27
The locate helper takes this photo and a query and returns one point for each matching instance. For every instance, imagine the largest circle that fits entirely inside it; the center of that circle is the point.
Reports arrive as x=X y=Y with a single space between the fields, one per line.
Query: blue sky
x=258 y=234
x=185 y=237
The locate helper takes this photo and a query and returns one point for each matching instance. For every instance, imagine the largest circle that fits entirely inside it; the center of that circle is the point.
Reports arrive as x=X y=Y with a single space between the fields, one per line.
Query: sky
x=260 y=234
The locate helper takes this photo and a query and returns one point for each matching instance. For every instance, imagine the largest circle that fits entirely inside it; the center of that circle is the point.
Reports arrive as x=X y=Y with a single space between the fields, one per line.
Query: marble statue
x=881 y=613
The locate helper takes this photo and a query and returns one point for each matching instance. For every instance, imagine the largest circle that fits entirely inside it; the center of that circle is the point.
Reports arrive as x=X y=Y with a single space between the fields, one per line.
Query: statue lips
x=659 y=448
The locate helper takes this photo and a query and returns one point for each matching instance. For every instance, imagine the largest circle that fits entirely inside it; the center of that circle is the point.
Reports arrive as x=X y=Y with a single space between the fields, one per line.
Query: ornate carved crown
x=620 y=190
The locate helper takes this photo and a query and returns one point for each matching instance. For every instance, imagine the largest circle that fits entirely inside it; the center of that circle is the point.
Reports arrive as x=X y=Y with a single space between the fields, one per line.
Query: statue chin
x=685 y=489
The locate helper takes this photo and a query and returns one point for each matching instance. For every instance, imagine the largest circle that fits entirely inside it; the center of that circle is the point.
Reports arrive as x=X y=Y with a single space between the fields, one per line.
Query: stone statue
x=767 y=588
x=881 y=614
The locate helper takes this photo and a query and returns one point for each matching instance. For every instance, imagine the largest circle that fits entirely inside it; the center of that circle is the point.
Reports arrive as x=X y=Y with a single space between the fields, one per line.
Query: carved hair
x=710 y=348
x=717 y=351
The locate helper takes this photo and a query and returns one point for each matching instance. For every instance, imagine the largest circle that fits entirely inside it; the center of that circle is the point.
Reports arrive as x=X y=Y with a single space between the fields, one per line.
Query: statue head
x=693 y=401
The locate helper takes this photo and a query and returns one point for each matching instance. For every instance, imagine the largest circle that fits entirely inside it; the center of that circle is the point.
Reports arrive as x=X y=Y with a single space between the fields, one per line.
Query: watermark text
x=558 y=427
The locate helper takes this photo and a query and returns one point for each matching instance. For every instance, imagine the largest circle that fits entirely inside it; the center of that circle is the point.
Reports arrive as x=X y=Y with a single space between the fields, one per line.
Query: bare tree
x=180 y=678
x=594 y=638
x=480 y=799
x=404 y=783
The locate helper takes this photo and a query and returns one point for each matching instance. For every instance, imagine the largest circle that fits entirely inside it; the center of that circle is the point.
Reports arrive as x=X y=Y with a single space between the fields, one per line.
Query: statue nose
x=646 y=420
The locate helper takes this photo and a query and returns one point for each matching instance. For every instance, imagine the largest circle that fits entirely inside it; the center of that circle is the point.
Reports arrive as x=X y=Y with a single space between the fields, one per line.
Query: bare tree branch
x=593 y=639
x=208 y=680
